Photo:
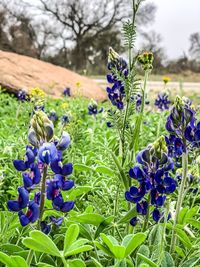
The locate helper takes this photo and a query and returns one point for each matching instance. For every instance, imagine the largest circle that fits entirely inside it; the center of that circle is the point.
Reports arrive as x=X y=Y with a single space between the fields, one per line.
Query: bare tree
x=71 y=29
x=195 y=45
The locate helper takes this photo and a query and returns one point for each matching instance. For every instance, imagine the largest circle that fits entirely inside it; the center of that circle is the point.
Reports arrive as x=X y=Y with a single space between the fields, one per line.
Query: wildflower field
x=101 y=184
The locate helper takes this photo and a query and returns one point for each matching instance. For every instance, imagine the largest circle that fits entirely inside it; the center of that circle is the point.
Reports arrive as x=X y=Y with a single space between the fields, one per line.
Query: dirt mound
x=22 y=72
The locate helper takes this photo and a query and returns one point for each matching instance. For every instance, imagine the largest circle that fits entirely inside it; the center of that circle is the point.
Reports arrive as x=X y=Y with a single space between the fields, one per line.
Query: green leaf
x=105 y=170
x=5 y=259
x=103 y=225
x=76 y=263
x=10 y=248
x=82 y=167
x=96 y=263
x=105 y=249
x=78 y=250
x=144 y=250
x=38 y=241
x=191 y=262
x=43 y=264
x=71 y=236
x=194 y=223
x=182 y=215
x=19 y=261
x=128 y=216
x=167 y=260
x=89 y=218
x=134 y=242
x=78 y=191
x=119 y=252
x=146 y=260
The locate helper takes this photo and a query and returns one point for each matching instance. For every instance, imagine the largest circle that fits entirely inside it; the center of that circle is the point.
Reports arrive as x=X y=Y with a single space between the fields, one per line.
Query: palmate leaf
x=134 y=242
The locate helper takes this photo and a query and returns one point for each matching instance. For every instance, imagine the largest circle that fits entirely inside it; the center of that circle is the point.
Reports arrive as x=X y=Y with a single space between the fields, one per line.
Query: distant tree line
x=76 y=34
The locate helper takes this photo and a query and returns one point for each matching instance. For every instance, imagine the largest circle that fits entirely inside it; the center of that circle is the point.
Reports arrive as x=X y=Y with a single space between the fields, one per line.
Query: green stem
x=180 y=199
x=140 y=118
x=64 y=262
x=42 y=200
x=43 y=195
x=163 y=234
x=159 y=124
x=30 y=257
x=146 y=221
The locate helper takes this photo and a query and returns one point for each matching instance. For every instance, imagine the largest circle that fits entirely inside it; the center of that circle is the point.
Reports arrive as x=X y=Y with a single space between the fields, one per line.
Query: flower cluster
x=67 y=92
x=154 y=181
x=146 y=60
x=162 y=101
x=23 y=96
x=45 y=154
x=93 y=108
x=118 y=72
x=181 y=124
x=138 y=101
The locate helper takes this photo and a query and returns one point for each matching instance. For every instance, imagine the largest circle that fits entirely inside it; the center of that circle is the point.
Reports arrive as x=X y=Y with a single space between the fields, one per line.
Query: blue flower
x=31 y=215
x=47 y=153
x=65 y=119
x=162 y=101
x=22 y=165
x=54 y=194
x=93 y=108
x=23 y=96
x=152 y=177
x=134 y=221
x=58 y=168
x=56 y=221
x=64 y=141
x=63 y=183
x=45 y=228
x=67 y=92
x=21 y=203
x=53 y=116
x=33 y=177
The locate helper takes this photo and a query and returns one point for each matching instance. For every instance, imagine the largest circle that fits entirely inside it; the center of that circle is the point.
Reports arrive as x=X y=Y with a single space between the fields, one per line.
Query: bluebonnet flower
x=67 y=92
x=109 y=124
x=22 y=165
x=53 y=116
x=33 y=177
x=65 y=119
x=119 y=71
x=54 y=194
x=47 y=153
x=22 y=96
x=181 y=124
x=138 y=101
x=93 y=108
x=162 y=101
x=21 y=203
x=31 y=215
x=152 y=177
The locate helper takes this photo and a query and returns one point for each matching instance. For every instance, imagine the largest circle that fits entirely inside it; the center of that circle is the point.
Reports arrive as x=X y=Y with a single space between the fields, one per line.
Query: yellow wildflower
x=36 y=93
x=166 y=79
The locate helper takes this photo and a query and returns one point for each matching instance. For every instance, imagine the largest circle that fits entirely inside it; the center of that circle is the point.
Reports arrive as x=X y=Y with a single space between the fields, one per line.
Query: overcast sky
x=175 y=21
